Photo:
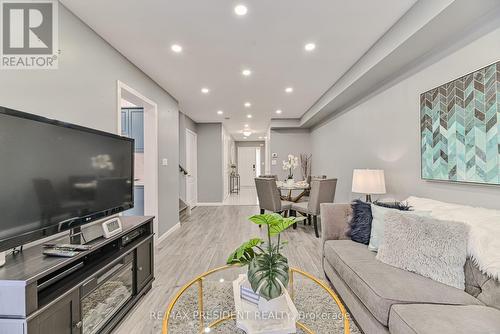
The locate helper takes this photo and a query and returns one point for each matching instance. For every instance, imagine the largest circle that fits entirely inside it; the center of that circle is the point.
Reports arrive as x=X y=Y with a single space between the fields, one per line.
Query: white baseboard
x=210 y=204
x=164 y=236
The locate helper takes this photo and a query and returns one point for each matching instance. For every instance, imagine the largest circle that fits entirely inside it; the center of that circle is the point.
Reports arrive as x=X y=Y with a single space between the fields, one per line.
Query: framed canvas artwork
x=460 y=129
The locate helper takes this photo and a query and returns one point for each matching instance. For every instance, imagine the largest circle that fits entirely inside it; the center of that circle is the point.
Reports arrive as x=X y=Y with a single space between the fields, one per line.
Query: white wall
x=288 y=141
x=84 y=91
x=384 y=132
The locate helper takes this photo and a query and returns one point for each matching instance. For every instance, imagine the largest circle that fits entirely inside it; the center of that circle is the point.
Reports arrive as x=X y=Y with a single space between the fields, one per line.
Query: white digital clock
x=111 y=227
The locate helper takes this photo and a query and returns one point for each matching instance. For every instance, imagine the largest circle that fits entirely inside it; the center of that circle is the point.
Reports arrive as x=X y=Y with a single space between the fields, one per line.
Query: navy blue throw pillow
x=361 y=223
x=402 y=206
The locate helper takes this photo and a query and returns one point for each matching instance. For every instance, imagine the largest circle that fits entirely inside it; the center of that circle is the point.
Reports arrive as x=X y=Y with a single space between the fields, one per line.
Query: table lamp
x=369 y=182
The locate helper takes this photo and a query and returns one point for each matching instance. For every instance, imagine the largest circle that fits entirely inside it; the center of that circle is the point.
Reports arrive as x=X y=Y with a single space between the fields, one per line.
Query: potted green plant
x=268 y=269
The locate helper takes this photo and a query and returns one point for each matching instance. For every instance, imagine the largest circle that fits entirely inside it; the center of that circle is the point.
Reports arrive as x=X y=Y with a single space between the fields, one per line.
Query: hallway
x=246 y=196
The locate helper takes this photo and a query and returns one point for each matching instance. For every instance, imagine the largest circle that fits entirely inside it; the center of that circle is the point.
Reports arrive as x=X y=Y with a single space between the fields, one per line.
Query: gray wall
x=290 y=141
x=210 y=148
x=185 y=122
x=383 y=132
x=84 y=91
x=253 y=144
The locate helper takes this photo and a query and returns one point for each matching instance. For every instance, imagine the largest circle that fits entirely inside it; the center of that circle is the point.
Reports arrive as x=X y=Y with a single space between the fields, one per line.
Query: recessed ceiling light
x=205 y=90
x=241 y=10
x=279 y=111
x=220 y=112
x=249 y=116
x=246 y=72
x=176 y=48
x=248 y=104
x=247 y=133
x=289 y=89
x=246 y=125
x=244 y=137
x=310 y=46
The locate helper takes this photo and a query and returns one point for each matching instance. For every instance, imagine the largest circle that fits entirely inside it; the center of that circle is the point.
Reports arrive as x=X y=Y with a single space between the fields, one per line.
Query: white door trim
x=195 y=135
x=150 y=146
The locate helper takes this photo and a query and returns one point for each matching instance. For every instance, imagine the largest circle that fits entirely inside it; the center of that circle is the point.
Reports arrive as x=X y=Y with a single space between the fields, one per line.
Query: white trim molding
x=151 y=195
x=165 y=235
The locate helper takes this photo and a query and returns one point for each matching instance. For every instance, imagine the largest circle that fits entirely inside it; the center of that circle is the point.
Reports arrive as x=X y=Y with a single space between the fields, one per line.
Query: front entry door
x=246 y=166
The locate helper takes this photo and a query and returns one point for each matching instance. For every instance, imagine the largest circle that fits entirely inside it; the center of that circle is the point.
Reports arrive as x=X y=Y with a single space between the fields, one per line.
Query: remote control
x=69 y=247
x=59 y=253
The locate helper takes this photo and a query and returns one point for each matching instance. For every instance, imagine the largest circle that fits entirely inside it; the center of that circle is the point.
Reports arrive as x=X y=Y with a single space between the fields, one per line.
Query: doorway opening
x=192 y=168
x=137 y=117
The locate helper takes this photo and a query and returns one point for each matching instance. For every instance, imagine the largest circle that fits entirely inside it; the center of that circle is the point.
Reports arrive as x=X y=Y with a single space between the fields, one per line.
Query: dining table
x=301 y=186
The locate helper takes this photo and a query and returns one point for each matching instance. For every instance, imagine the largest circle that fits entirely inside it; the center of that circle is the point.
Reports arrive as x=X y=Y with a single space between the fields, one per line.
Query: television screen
x=56 y=176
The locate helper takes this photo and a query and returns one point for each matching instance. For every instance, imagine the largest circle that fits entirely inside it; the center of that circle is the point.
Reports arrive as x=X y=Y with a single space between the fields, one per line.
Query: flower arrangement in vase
x=268 y=269
x=289 y=165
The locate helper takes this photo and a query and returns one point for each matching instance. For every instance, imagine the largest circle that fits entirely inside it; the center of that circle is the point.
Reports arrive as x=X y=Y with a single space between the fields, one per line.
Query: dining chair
x=269 y=196
x=307 y=193
x=315 y=177
x=275 y=177
x=322 y=191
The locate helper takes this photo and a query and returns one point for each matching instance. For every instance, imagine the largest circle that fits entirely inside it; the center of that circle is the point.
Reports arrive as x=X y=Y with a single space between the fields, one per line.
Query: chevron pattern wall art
x=460 y=129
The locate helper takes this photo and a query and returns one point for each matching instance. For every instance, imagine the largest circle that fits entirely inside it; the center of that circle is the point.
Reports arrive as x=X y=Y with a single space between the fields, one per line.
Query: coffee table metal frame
x=199 y=281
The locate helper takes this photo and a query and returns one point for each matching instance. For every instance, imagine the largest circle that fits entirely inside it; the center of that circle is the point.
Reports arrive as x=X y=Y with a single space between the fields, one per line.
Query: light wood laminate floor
x=246 y=196
x=204 y=241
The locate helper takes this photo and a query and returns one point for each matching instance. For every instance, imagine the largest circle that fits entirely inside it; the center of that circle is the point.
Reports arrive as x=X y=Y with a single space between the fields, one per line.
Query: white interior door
x=246 y=166
x=191 y=167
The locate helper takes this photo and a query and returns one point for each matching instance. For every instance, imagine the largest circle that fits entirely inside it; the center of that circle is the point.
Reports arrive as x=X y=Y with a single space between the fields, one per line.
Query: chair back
x=268 y=194
x=311 y=177
x=322 y=191
x=274 y=177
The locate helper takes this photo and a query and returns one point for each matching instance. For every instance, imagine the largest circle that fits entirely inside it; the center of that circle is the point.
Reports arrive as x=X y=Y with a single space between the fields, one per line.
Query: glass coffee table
x=211 y=296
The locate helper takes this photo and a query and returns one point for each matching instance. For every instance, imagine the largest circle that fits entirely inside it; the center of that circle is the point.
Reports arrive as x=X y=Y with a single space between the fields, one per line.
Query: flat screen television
x=57 y=176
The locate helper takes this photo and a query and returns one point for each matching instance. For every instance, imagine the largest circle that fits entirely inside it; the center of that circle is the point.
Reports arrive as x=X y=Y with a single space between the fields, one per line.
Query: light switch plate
x=164 y=162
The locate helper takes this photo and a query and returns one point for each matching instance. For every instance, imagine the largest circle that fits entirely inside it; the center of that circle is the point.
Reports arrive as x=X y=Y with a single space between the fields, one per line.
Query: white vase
x=290 y=182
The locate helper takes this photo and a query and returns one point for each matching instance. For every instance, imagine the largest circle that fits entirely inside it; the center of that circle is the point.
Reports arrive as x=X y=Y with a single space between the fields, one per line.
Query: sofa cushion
x=479 y=285
x=443 y=319
x=379 y=285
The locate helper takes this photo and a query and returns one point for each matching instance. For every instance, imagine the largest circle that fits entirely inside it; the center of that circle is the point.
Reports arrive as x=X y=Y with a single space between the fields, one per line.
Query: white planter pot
x=290 y=182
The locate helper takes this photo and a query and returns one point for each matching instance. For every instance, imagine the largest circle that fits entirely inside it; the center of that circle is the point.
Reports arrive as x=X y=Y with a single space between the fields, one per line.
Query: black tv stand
x=48 y=295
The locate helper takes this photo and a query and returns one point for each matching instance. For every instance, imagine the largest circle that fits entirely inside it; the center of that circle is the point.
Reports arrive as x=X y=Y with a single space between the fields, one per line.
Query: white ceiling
x=218 y=45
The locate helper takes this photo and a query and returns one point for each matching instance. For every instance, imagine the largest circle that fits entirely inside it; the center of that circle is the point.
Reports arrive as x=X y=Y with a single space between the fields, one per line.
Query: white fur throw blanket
x=483 y=245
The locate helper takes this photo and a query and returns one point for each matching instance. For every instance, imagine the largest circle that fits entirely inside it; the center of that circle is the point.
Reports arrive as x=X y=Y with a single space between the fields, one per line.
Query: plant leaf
x=265 y=219
x=268 y=275
x=245 y=253
x=279 y=226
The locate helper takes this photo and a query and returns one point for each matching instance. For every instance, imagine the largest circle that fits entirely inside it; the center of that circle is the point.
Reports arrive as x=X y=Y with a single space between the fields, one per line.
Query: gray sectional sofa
x=385 y=299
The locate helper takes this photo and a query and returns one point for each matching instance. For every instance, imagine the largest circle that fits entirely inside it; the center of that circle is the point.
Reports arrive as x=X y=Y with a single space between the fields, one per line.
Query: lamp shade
x=368 y=181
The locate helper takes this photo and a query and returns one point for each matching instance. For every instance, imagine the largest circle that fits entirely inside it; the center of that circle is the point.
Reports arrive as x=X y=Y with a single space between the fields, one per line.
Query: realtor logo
x=29 y=34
